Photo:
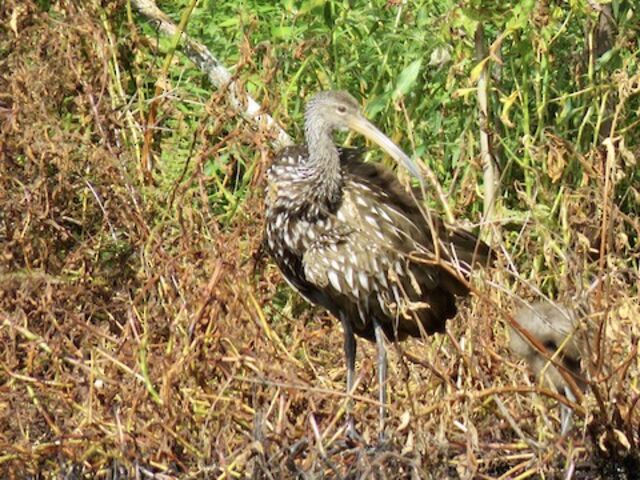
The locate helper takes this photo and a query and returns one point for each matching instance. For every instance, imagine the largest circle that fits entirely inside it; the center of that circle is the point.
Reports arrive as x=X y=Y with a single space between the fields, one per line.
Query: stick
x=218 y=75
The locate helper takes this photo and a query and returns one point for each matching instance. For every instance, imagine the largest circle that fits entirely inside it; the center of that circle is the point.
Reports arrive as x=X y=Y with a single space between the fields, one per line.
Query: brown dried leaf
x=555 y=163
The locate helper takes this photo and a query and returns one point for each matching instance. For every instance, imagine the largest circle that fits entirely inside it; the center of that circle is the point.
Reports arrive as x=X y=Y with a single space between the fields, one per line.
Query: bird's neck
x=323 y=164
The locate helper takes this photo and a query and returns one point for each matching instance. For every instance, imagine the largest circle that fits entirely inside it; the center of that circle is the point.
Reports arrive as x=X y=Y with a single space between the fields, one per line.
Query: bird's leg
x=382 y=375
x=350 y=354
x=566 y=413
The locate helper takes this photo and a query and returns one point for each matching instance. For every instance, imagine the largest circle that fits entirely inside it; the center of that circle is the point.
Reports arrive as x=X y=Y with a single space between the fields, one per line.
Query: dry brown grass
x=140 y=333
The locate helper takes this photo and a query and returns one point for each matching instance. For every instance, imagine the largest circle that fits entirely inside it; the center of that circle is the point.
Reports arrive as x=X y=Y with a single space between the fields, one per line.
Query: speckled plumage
x=554 y=326
x=355 y=252
x=347 y=235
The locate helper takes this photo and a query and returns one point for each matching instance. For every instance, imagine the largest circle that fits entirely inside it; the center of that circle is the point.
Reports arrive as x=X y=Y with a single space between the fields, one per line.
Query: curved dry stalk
x=491 y=176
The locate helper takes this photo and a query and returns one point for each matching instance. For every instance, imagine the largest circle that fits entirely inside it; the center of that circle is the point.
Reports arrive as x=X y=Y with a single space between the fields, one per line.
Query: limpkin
x=347 y=236
x=554 y=326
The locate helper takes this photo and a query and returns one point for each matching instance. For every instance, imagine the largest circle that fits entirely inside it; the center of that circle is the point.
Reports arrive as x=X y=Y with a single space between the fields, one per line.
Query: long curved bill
x=366 y=128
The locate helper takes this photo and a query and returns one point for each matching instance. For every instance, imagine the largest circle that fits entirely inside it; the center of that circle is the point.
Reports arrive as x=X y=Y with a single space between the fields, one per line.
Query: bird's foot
x=383 y=440
x=351 y=439
x=381 y=445
x=356 y=439
x=352 y=434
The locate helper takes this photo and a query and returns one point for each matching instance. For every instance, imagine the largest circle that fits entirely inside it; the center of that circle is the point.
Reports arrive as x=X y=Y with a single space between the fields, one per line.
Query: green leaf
x=288 y=5
x=230 y=22
x=309 y=6
x=328 y=15
x=407 y=78
x=376 y=105
x=283 y=32
x=477 y=70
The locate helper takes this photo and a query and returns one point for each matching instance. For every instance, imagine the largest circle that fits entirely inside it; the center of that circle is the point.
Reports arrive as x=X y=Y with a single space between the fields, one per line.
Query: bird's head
x=334 y=110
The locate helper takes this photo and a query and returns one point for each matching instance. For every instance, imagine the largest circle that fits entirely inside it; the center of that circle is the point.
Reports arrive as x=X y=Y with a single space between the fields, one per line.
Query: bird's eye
x=342 y=109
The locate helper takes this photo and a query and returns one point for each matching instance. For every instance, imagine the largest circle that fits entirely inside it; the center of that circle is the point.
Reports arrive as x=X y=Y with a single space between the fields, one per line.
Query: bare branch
x=219 y=76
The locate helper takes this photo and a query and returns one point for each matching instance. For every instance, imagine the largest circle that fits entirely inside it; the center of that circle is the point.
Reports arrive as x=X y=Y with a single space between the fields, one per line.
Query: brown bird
x=348 y=237
x=554 y=326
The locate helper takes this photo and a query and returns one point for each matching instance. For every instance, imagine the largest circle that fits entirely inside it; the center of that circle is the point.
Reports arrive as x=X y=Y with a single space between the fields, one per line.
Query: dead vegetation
x=142 y=334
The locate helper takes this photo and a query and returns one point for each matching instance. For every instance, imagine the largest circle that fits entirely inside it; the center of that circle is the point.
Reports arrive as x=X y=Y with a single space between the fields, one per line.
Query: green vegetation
x=138 y=324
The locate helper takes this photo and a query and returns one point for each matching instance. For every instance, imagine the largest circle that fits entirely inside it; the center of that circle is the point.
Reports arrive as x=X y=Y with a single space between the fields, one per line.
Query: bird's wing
x=362 y=254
